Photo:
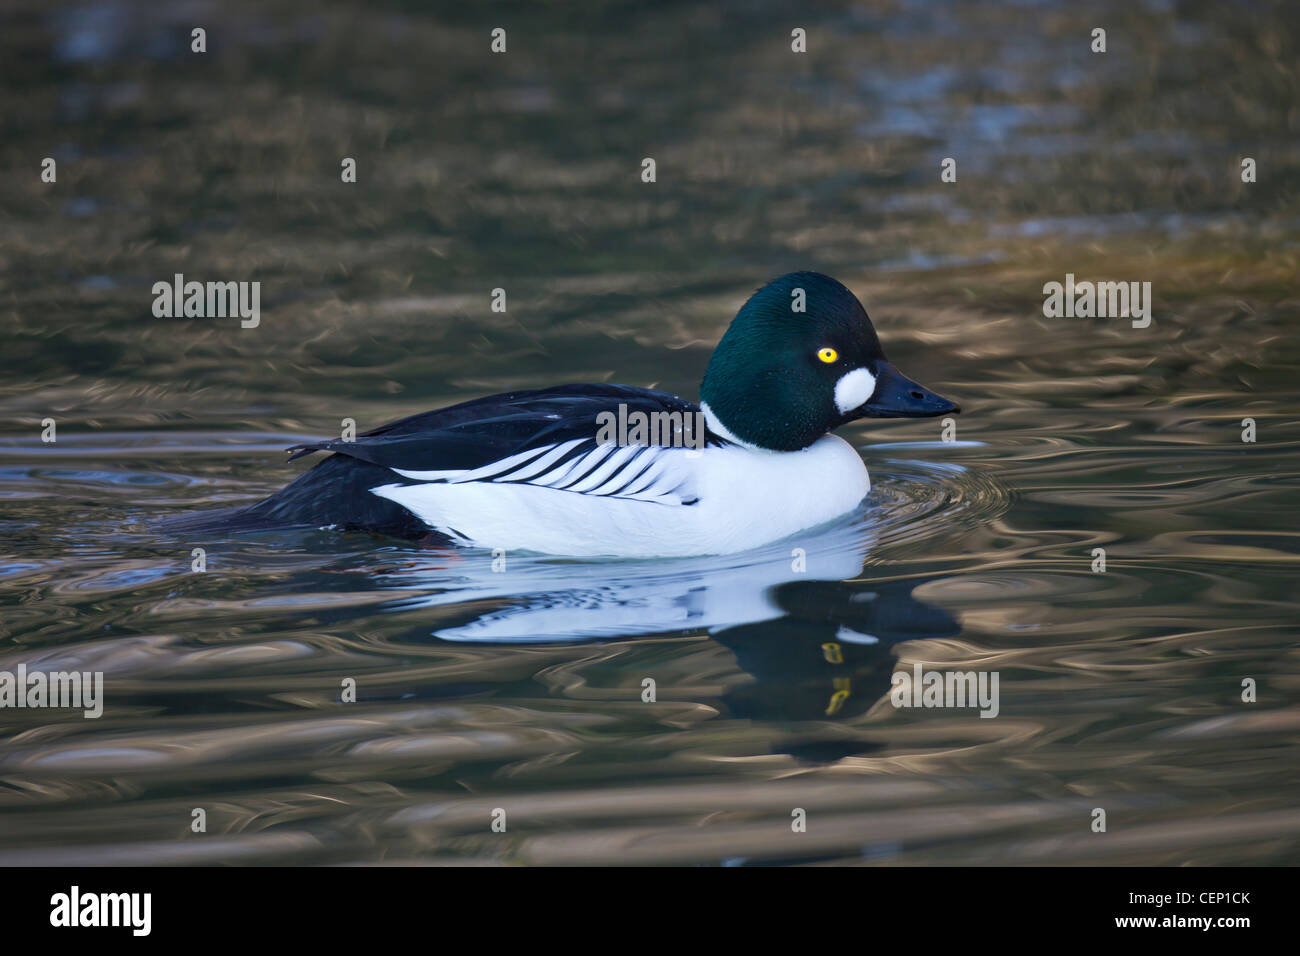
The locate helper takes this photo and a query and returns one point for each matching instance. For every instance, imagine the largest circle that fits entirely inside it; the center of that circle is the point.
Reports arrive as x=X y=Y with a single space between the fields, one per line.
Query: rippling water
x=522 y=689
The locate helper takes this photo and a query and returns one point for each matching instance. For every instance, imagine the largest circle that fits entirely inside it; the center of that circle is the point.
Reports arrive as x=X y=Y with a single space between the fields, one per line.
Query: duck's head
x=801 y=358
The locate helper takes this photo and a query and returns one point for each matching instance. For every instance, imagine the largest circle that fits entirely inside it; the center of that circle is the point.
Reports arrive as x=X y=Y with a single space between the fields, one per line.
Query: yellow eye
x=828 y=355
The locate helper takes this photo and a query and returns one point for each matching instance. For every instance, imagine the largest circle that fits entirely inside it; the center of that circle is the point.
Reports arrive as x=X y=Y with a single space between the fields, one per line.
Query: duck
x=557 y=471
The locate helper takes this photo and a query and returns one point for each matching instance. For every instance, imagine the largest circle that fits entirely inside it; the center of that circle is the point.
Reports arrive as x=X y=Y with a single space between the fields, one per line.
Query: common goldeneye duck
x=543 y=470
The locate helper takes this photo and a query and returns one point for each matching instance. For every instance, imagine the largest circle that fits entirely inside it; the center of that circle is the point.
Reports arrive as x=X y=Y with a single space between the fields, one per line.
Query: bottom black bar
x=330 y=905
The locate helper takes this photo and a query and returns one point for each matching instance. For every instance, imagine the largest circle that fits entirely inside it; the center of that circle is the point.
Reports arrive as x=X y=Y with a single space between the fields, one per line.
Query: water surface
x=522 y=689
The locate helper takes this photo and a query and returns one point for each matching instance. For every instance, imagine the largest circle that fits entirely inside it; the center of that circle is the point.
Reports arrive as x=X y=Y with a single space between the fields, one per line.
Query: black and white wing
x=546 y=438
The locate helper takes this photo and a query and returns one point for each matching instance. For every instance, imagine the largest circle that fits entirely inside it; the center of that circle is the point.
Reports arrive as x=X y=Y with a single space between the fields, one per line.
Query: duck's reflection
x=818 y=647
x=831 y=657
x=547 y=600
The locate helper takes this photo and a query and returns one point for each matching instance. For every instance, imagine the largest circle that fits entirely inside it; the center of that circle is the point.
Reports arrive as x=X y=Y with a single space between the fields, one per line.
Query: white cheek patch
x=853 y=389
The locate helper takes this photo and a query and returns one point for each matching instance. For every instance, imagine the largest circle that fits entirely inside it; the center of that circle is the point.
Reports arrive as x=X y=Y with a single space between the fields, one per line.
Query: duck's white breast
x=725 y=499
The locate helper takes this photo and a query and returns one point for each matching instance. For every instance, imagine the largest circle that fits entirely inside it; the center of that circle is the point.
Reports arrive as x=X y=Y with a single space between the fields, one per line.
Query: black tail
x=334 y=493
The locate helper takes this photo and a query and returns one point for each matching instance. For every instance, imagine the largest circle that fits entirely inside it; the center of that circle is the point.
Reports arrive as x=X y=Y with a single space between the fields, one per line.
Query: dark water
x=522 y=690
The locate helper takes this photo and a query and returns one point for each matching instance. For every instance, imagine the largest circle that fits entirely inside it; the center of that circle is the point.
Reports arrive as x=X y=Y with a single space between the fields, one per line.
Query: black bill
x=897 y=396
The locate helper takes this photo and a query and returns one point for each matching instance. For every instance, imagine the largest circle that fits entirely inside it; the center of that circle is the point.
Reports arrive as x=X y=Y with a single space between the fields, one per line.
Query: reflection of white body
x=555 y=600
x=717 y=501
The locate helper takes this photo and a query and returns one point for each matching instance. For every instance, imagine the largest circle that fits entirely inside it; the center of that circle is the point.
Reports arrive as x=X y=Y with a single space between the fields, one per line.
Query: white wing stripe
x=477 y=474
x=541 y=464
x=601 y=474
x=634 y=472
x=629 y=472
x=586 y=465
x=494 y=468
x=556 y=475
x=647 y=478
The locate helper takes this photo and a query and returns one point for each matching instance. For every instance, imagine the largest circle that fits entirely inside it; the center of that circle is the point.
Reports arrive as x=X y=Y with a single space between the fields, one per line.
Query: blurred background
x=522 y=170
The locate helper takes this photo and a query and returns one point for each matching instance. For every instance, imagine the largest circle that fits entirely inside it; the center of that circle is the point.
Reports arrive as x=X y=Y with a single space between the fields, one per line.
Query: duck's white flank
x=687 y=502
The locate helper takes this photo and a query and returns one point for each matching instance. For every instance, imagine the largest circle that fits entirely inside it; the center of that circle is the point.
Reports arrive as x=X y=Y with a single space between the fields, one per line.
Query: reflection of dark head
x=820 y=662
